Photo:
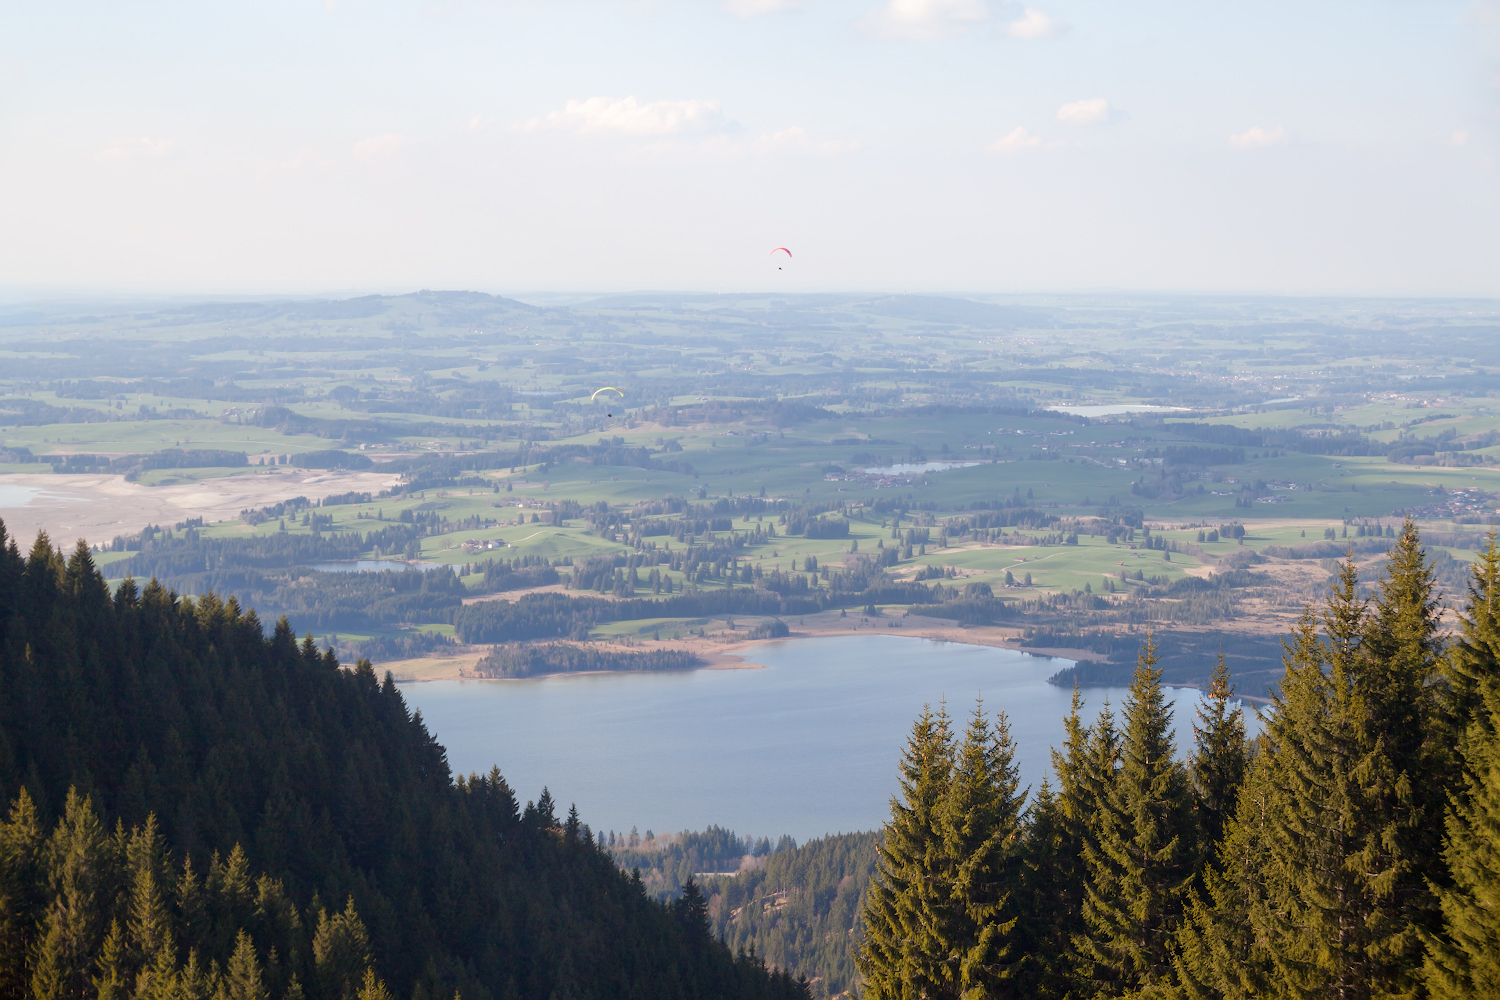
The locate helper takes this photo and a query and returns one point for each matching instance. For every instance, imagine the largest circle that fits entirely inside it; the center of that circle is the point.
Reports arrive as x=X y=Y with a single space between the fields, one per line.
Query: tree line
x=561 y=658
x=554 y=615
x=149 y=711
x=1348 y=851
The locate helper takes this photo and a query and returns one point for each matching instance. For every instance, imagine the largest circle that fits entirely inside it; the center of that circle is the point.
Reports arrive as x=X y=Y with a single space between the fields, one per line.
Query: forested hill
x=250 y=817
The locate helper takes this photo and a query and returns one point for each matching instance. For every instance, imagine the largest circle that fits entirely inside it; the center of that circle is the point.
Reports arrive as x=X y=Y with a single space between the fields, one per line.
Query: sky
x=933 y=146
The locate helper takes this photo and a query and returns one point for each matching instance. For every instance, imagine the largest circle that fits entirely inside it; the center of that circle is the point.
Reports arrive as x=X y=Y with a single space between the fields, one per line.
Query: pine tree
x=899 y=956
x=1219 y=764
x=982 y=831
x=1142 y=864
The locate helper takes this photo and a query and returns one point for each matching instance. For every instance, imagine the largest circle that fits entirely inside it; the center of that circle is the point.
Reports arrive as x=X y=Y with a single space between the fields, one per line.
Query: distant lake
x=1115 y=409
x=910 y=468
x=368 y=565
x=19 y=496
x=806 y=746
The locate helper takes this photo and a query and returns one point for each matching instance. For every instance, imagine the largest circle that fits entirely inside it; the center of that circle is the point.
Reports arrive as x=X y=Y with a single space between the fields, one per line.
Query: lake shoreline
x=740 y=654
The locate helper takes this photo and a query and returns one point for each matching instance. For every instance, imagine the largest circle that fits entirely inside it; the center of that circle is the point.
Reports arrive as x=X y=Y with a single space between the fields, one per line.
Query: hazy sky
x=893 y=145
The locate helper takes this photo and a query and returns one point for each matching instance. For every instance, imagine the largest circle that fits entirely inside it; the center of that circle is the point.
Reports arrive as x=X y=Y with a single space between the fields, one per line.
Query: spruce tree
x=1472 y=663
x=242 y=979
x=1046 y=894
x=1142 y=864
x=341 y=952
x=1341 y=905
x=1054 y=869
x=1307 y=907
x=1219 y=763
x=1402 y=791
x=982 y=830
x=1464 y=959
x=1218 y=952
x=1096 y=781
x=21 y=840
x=901 y=956
x=371 y=988
x=76 y=857
x=149 y=921
x=113 y=975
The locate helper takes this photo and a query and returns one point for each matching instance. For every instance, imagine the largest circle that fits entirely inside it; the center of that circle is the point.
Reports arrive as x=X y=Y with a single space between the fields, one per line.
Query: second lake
x=806 y=746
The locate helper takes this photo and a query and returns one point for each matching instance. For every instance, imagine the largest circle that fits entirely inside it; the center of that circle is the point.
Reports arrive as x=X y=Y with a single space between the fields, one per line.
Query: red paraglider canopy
x=783 y=250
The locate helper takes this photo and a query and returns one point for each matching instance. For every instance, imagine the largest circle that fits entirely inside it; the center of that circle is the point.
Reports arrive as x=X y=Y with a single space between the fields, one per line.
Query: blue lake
x=806 y=746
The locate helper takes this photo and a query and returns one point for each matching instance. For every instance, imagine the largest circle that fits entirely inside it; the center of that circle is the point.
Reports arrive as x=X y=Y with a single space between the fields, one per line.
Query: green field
x=477 y=409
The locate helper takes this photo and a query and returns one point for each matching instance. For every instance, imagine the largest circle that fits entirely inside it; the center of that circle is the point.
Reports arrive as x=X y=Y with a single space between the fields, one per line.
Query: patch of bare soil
x=97 y=508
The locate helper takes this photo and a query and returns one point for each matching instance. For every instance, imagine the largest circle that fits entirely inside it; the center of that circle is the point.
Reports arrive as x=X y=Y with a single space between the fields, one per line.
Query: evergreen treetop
x=1143 y=864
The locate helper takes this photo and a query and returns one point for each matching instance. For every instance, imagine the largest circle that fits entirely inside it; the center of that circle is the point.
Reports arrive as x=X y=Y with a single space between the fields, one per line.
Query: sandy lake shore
x=723 y=652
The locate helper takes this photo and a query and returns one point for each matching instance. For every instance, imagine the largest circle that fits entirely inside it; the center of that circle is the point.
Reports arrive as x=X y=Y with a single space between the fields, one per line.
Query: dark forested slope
x=154 y=706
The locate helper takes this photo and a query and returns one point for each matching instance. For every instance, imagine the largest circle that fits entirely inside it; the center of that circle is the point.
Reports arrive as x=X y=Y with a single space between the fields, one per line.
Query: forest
x=562 y=658
x=1348 y=851
x=1073 y=474
x=199 y=810
x=796 y=905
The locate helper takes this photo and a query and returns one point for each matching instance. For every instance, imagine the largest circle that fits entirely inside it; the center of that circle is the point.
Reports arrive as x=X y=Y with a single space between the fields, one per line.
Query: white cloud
x=1254 y=138
x=926 y=19
x=1018 y=139
x=629 y=116
x=1094 y=111
x=1033 y=24
x=754 y=8
x=378 y=147
x=477 y=123
x=132 y=148
x=1459 y=138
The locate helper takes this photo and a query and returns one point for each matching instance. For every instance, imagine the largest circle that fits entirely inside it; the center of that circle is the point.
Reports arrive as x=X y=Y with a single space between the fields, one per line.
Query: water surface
x=19 y=496
x=1114 y=409
x=806 y=746
x=911 y=468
